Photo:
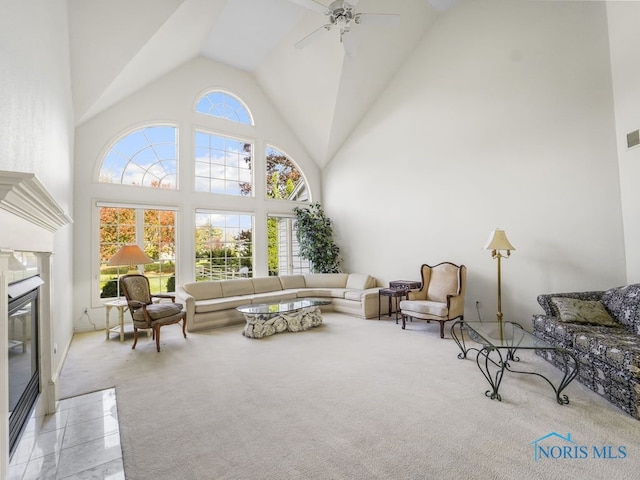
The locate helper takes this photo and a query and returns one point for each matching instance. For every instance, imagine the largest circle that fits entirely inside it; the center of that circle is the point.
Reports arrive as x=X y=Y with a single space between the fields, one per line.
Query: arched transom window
x=145 y=157
x=224 y=105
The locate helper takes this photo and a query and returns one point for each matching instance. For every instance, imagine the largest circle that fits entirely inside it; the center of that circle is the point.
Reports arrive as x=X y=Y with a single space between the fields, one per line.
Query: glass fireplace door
x=22 y=351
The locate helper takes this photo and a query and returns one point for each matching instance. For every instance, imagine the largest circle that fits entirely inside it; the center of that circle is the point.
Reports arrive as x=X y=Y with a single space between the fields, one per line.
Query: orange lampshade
x=129 y=255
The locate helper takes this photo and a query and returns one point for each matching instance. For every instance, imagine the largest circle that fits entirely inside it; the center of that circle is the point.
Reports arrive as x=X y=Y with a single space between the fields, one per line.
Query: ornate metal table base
x=495 y=355
x=263 y=324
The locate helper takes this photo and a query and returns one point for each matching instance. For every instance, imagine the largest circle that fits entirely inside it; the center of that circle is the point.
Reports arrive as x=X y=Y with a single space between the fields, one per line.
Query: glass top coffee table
x=264 y=319
x=497 y=353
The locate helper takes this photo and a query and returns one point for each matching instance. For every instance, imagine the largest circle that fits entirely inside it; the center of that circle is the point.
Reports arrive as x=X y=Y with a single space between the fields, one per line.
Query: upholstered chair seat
x=425 y=307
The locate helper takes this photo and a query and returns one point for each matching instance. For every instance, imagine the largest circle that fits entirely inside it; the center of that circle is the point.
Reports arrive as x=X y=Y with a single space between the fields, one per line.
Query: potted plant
x=314 y=232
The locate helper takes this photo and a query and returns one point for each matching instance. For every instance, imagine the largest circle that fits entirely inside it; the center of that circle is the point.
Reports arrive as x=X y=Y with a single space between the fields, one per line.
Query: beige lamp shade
x=498 y=241
x=129 y=255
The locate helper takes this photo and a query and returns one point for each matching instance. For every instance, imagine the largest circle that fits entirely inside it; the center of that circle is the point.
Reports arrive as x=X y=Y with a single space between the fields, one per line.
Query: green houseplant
x=314 y=231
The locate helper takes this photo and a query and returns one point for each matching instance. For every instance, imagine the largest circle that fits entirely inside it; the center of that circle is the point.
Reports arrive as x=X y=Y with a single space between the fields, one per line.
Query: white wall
x=37 y=131
x=503 y=117
x=36 y=136
x=624 y=40
x=172 y=99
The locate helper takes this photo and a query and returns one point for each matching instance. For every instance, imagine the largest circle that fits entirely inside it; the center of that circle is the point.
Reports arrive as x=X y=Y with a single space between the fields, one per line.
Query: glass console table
x=497 y=353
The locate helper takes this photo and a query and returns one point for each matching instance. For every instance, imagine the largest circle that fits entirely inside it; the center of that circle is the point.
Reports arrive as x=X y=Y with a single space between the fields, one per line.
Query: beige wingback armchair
x=441 y=297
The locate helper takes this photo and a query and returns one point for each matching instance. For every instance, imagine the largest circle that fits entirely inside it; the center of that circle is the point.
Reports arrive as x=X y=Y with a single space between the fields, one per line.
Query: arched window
x=224 y=105
x=284 y=180
x=146 y=157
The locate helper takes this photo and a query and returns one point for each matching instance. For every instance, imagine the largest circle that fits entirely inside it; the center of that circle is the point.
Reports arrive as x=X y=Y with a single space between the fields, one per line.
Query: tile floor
x=80 y=441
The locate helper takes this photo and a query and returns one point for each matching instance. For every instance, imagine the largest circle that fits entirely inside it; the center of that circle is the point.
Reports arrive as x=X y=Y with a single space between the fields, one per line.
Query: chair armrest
x=165 y=295
x=455 y=305
x=136 y=304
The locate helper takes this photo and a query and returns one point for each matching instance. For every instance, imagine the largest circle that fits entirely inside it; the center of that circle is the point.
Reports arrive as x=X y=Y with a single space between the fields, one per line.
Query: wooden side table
x=122 y=306
x=391 y=292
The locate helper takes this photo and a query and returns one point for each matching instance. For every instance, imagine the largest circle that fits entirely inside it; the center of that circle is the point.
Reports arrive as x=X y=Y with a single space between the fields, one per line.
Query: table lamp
x=129 y=255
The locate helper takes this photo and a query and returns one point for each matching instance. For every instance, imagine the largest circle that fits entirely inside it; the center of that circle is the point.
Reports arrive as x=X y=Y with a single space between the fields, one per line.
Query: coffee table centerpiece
x=264 y=319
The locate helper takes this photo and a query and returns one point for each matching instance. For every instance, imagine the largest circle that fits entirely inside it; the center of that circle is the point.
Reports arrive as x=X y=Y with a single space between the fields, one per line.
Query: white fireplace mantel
x=29 y=218
x=23 y=195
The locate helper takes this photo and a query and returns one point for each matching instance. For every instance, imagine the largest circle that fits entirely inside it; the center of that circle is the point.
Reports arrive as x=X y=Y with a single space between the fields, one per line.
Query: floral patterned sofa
x=602 y=329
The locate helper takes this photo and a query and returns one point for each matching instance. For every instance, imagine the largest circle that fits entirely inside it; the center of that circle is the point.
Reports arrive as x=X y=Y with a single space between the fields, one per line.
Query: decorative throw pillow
x=590 y=312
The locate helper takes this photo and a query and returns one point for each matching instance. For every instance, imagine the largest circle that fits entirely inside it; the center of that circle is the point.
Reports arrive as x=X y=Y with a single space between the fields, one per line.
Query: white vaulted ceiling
x=119 y=46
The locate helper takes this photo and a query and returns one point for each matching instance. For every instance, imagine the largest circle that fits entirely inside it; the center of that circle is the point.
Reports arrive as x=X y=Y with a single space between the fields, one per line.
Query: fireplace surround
x=30 y=217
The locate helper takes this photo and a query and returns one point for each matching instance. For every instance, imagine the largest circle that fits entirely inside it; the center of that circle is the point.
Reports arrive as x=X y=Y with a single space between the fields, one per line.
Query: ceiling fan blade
x=349 y=44
x=378 y=19
x=313 y=5
x=312 y=36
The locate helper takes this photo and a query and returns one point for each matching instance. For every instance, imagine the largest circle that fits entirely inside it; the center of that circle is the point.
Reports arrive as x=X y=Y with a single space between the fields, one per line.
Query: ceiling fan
x=342 y=17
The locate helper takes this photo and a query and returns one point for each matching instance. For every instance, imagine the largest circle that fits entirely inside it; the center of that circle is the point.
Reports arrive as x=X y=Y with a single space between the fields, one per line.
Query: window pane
x=223 y=105
x=224 y=246
x=284 y=180
x=221 y=161
x=119 y=226
x=282 y=248
x=146 y=157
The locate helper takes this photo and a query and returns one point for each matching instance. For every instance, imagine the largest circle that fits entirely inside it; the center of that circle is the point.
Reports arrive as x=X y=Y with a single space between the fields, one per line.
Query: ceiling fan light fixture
x=341 y=15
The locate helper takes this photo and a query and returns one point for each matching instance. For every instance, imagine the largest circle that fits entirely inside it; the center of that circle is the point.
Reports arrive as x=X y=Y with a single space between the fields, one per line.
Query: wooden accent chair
x=146 y=314
x=441 y=296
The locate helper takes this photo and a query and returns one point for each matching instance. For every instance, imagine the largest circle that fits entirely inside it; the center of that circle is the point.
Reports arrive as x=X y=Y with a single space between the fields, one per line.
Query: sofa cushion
x=292 y=281
x=326 y=280
x=266 y=284
x=240 y=286
x=355 y=295
x=218 y=304
x=624 y=305
x=573 y=310
x=322 y=292
x=267 y=297
x=203 y=290
x=619 y=350
x=360 y=281
x=556 y=332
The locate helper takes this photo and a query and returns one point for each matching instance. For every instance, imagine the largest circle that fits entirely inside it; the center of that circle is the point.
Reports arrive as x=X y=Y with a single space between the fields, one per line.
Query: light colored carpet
x=351 y=399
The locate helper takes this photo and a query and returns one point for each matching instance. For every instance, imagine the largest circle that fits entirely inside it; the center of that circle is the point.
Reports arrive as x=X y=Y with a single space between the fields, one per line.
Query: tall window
x=224 y=105
x=283 y=249
x=153 y=230
x=223 y=164
x=224 y=245
x=146 y=157
x=284 y=180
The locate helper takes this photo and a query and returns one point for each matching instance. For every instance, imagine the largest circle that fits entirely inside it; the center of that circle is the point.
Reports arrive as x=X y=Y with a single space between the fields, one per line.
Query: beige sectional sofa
x=213 y=304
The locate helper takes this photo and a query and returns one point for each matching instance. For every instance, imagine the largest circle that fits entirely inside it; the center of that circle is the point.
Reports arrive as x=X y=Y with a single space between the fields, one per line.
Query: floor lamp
x=128 y=255
x=499 y=243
